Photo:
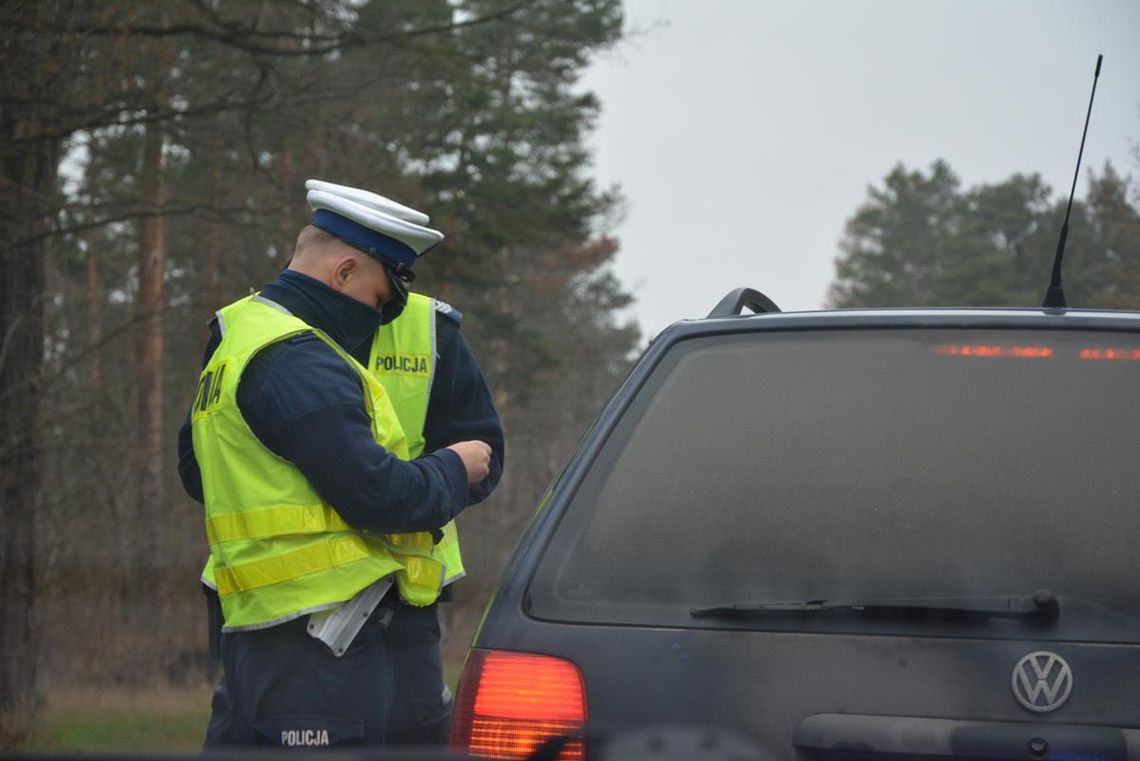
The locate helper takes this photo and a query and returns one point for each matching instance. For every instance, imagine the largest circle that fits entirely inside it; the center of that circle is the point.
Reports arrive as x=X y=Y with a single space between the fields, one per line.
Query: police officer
x=440 y=397
x=310 y=506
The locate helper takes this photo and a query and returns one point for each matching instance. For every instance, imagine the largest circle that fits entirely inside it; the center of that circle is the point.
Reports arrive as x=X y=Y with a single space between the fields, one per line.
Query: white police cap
x=371 y=200
x=378 y=233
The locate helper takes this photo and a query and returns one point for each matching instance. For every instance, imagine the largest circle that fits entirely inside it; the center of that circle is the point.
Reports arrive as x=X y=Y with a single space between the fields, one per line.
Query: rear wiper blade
x=1040 y=606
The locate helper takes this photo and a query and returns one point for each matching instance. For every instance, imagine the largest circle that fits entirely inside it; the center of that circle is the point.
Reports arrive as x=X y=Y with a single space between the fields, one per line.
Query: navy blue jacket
x=307 y=406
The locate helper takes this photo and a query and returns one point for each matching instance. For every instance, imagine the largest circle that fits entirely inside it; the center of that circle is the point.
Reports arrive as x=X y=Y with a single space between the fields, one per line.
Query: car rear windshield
x=845 y=464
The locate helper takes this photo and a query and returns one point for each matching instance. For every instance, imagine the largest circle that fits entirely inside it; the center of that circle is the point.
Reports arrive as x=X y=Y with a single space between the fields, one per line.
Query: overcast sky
x=743 y=133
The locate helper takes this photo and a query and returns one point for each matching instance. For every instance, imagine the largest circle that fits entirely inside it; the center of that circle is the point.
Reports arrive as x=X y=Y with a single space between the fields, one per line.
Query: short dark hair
x=310 y=236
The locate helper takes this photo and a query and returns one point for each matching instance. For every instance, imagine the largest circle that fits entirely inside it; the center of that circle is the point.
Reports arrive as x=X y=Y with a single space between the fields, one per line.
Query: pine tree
x=922 y=240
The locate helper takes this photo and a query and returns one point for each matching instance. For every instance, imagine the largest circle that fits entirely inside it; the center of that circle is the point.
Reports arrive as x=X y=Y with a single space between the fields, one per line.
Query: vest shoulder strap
x=444 y=309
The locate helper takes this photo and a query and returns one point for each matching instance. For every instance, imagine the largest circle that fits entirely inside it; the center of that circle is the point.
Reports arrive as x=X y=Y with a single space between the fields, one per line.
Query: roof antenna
x=1055 y=296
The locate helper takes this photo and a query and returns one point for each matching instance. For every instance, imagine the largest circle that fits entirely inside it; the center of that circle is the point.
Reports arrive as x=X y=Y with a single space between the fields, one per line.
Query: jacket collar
x=344 y=319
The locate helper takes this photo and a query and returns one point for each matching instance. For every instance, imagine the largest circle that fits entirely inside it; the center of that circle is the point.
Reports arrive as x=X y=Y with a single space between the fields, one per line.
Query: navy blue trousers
x=421 y=708
x=281 y=687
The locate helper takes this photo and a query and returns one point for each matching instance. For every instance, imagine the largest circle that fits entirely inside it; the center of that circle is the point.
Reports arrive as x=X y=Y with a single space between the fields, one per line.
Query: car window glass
x=824 y=465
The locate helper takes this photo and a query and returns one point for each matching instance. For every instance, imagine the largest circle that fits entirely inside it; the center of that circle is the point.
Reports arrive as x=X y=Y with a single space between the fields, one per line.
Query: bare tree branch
x=48 y=379
x=103 y=116
x=166 y=211
x=255 y=41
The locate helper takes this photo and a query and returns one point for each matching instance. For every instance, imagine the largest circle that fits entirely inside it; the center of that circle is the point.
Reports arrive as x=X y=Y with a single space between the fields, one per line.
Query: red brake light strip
x=1110 y=354
x=986 y=350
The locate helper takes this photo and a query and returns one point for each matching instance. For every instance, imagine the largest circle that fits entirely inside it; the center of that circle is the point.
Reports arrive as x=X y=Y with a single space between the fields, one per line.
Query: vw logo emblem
x=1042 y=681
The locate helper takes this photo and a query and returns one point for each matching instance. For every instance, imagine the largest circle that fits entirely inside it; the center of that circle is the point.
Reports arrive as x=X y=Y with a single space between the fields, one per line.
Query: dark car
x=839 y=534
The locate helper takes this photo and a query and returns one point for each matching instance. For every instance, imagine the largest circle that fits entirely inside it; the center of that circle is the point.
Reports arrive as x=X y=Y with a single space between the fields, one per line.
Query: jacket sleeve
x=307 y=406
x=461 y=407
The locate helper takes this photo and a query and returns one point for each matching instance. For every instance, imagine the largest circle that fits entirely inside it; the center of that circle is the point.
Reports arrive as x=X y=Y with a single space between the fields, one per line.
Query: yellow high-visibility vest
x=277 y=550
x=403 y=359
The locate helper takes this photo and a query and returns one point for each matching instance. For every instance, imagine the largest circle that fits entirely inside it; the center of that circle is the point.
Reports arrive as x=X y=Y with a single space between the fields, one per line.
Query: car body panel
x=766 y=683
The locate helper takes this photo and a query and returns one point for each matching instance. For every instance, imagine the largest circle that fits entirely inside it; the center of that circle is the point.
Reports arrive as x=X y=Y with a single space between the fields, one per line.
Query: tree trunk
x=145 y=531
x=94 y=321
x=25 y=193
x=210 y=276
x=287 y=227
x=28 y=165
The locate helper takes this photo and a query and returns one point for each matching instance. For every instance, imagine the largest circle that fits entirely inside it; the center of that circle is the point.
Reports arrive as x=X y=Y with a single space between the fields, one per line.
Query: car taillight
x=508 y=704
x=985 y=350
x=1105 y=353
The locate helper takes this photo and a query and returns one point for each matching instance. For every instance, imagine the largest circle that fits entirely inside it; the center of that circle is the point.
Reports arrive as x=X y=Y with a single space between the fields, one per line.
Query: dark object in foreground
x=682 y=743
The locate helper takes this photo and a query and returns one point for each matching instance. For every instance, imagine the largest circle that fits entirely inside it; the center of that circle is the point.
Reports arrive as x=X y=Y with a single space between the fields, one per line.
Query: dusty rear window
x=796 y=466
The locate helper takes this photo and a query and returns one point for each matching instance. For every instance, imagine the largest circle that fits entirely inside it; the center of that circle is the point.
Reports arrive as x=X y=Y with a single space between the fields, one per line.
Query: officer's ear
x=343 y=269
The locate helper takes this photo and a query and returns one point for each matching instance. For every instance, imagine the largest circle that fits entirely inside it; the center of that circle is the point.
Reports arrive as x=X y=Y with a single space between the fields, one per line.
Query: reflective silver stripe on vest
x=434 y=355
x=271 y=304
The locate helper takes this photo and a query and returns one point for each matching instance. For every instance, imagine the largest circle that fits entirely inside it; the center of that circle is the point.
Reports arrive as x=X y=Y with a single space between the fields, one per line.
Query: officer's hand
x=476 y=456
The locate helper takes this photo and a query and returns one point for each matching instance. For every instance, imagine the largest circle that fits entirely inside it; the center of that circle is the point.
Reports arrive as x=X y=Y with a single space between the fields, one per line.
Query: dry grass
x=160 y=719
x=62 y=702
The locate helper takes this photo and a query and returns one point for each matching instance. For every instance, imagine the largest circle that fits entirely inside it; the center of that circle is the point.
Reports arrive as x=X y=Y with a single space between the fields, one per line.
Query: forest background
x=153 y=161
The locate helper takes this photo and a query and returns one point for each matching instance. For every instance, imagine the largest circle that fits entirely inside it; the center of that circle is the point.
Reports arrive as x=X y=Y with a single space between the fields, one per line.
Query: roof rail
x=732 y=304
